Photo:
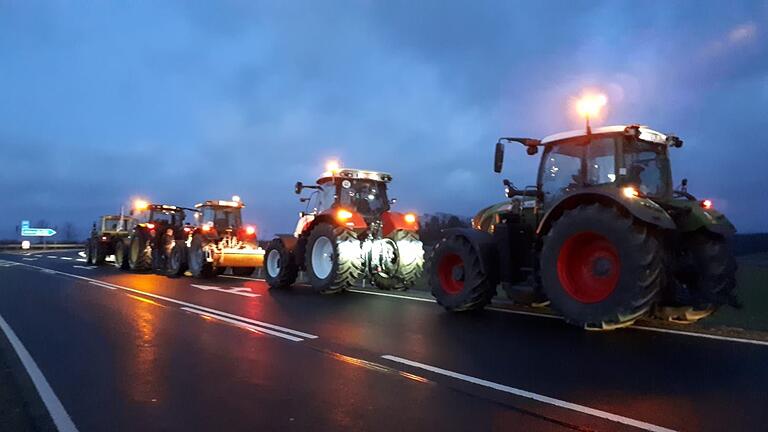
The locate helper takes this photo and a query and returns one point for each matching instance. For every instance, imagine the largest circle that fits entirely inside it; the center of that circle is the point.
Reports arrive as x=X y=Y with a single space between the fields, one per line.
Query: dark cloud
x=181 y=102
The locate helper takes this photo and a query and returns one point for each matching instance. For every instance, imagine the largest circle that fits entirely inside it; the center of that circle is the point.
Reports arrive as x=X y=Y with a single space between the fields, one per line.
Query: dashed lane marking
x=239 y=318
x=66 y=258
x=530 y=395
x=242 y=324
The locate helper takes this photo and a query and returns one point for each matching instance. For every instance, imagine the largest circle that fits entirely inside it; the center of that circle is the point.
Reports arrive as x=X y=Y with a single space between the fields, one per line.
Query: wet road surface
x=127 y=351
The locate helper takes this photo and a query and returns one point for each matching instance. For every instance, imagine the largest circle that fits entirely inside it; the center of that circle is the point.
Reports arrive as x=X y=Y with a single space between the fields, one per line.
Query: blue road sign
x=26 y=231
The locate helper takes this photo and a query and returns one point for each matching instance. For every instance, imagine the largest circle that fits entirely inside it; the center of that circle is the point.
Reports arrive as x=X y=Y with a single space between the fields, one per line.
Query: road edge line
x=52 y=403
x=534 y=396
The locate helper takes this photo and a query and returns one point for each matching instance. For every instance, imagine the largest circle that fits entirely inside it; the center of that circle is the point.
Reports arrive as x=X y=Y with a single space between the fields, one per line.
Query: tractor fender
x=289 y=240
x=392 y=221
x=641 y=208
x=486 y=246
x=711 y=220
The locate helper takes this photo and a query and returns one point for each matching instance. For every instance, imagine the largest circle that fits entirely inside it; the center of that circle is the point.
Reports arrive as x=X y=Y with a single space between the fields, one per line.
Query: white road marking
x=535 y=396
x=383 y=294
x=102 y=285
x=52 y=403
x=85 y=267
x=29 y=259
x=51 y=256
x=701 y=335
x=180 y=302
x=4 y=263
x=81 y=260
x=243 y=291
x=66 y=258
x=496 y=309
x=241 y=277
x=82 y=254
x=242 y=324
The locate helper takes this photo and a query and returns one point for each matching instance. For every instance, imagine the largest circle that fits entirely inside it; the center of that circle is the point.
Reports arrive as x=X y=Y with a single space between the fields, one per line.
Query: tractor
x=217 y=241
x=350 y=233
x=106 y=236
x=149 y=245
x=603 y=236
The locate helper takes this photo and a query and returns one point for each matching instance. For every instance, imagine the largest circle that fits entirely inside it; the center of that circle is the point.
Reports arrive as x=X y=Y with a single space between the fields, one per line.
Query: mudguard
x=694 y=217
x=484 y=243
x=642 y=208
x=392 y=221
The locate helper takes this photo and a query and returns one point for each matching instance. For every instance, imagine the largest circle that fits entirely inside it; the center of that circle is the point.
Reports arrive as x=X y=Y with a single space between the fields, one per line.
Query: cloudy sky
x=183 y=101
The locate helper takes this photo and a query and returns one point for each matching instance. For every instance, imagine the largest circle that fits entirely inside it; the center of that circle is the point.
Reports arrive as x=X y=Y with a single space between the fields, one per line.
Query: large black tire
x=343 y=269
x=243 y=271
x=410 y=255
x=140 y=251
x=100 y=253
x=706 y=280
x=89 y=252
x=177 y=263
x=456 y=276
x=198 y=265
x=280 y=270
x=121 y=260
x=599 y=268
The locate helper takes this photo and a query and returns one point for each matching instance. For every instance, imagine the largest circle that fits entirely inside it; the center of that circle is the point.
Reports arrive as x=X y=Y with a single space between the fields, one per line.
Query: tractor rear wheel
x=280 y=268
x=410 y=265
x=334 y=260
x=707 y=282
x=198 y=264
x=599 y=268
x=140 y=252
x=243 y=271
x=456 y=276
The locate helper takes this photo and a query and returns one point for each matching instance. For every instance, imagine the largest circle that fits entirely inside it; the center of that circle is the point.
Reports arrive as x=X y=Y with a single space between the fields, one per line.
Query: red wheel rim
x=446 y=270
x=588 y=267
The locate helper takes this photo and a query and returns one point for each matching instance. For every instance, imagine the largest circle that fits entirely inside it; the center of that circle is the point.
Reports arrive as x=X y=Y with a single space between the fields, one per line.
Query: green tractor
x=603 y=237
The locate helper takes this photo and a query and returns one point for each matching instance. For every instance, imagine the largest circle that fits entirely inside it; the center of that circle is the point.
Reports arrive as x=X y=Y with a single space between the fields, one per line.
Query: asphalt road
x=126 y=351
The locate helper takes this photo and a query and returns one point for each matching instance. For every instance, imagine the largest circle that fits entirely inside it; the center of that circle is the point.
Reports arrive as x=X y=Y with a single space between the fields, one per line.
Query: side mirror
x=298 y=188
x=393 y=201
x=498 y=157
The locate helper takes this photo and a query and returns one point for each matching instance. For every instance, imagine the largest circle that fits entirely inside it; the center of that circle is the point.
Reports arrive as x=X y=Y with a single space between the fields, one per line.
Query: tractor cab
x=158 y=215
x=113 y=224
x=616 y=160
x=220 y=217
x=358 y=191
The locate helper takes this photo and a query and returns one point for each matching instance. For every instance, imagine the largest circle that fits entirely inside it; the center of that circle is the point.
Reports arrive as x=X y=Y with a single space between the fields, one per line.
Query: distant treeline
x=433 y=224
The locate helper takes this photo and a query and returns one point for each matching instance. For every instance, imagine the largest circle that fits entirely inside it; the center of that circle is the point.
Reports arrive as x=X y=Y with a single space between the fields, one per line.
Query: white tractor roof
x=646 y=134
x=357 y=174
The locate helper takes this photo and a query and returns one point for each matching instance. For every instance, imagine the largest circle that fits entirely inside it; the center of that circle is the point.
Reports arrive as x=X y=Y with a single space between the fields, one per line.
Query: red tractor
x=218 y=241
x=348 y=234
x=148 y=247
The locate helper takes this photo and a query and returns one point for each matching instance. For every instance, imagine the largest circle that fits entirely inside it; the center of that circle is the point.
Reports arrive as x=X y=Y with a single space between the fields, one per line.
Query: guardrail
x=43 y=246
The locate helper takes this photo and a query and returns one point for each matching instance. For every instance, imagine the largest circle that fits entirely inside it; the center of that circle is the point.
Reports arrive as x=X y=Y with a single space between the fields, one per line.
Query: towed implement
x=349 y=234
x=602 y=236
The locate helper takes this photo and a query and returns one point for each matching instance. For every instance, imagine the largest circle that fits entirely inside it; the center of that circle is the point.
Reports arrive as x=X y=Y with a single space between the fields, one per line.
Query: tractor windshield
x=647 y=167
x=170 y=217
x=222 y=217
x=367 y=197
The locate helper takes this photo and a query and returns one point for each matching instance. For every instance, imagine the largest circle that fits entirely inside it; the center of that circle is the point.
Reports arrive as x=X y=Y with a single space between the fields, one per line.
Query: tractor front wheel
x=140 y=252
x=599 y=268
x=456 y=276
x=280 y=268
x=121 y=261
x=177 y=262
x=334 y=260
x=197 y=262
x=410 y=263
